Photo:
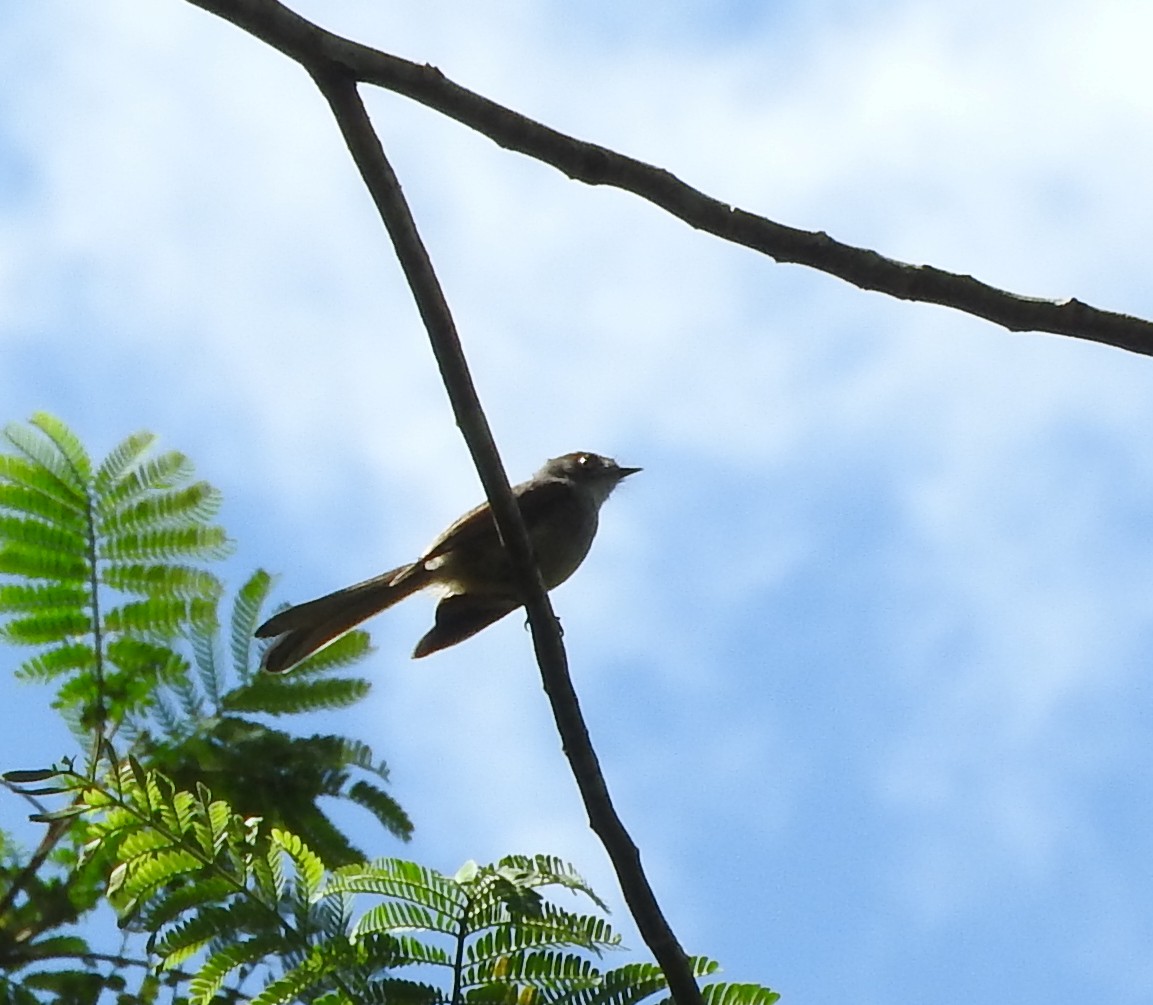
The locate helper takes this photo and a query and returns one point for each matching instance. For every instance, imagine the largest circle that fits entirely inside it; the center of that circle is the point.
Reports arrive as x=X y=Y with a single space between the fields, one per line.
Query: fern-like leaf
x=350 y=648
x=395 y=917
x=196 y=895
x=196 y=503
x=20 y=598
x=24 y=489
x=406 y=881
x=738 y=994
x=382 y=806
x=51 y=447
x=58 y=660
x=45 y=627
x=31 y=562
x=159 y=578
x=68 y=446
x=124 y=456
x=36 y=490
x=309 y=867
x=157 y=474
x=160 y=615
x=549 y=970
x=203 y=987
x=134 y=515
x=136 y=656
x=204 y=542
x=292 y=695
x=246 y=609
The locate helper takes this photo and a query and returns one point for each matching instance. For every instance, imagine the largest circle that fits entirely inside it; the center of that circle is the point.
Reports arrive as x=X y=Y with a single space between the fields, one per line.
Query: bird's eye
x=584 y=460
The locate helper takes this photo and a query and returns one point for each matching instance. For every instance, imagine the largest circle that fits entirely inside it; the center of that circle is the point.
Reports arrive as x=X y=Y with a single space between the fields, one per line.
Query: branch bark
x=312 y=46
x=340 y=92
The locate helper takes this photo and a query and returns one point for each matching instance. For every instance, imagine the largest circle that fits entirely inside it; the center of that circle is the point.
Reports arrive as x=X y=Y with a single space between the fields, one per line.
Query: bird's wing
x=535 y=502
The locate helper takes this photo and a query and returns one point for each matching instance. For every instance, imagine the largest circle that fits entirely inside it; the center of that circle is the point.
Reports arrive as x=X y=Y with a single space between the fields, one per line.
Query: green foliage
x=208 y=839
x=204 y=728
x=103 y=570
x=106 y=565
x=246 y=902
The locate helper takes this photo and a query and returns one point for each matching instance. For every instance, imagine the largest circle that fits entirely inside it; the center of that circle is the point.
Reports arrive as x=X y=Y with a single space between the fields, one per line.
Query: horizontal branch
x=318 y=49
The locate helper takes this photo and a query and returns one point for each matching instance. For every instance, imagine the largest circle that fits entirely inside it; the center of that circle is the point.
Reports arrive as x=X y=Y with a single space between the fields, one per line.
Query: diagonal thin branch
x=312 y=46
x=381 y=181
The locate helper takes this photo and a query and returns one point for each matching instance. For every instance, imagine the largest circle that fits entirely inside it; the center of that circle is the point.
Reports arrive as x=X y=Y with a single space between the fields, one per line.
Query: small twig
x=311 y=45
x=379 y=177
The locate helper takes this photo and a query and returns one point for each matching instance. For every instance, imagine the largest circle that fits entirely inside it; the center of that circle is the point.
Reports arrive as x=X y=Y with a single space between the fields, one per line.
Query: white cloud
x=974 y=498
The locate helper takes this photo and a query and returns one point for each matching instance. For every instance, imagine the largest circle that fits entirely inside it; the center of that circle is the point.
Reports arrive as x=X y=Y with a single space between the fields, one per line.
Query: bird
x=467 y=565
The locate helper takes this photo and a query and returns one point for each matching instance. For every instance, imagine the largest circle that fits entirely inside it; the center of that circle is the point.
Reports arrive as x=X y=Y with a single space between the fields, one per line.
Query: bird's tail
x=302 y=630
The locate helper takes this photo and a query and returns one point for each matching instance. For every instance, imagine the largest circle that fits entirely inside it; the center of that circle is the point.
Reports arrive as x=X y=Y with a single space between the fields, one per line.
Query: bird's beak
x=625 y=472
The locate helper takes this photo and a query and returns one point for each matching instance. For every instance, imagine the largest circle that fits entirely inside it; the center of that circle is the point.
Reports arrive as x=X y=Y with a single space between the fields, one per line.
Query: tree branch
x=341 y=94
x=314 y=47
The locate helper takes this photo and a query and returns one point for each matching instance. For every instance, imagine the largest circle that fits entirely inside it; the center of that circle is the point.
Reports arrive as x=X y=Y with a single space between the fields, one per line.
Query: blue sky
x=866 y=649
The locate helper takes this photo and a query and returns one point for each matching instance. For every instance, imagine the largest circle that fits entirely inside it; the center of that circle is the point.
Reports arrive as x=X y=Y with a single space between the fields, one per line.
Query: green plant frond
x=338 y=998
x=18 y=498
x=33 y=533
x=182 y=507
x=134 y=882
x=186 y=940
x=208 y=673
x=332 y=915
x=197 y=541
x=160 y=615
x=555 y=929
x=393 y=991
x=211 y=977
x=123 y=456
x=266 y=875
x=410 y=951
x=309 y=867
x=51 y=445
x=270 y=875
x=20 y=597
x=201 y=895
x=394 y=917
x=392 y=877
x=586 y=930
x=545 y=870
x=547 y=969
x=738 y=994
x=133 y=655
x=172 y=724
x=275 y=695
x=59 y=660
x=144 y=841
x=314 y=970
x=160 y=578
x=246 y=609
x=177 y=807
x=67 y=444
x=346 y=752
x=31 y=562
x=382 y=806
x=217 y=815
x=625 y=985
x=495 y=900
x=165 y=471
x=124 y=692
x=634 y=982
x=45 y=628
x=324 y=837
x=36 y=481
x=346 y=650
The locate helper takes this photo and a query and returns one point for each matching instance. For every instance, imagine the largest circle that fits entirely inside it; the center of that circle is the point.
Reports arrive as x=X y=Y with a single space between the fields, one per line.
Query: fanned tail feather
x=302 y=630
